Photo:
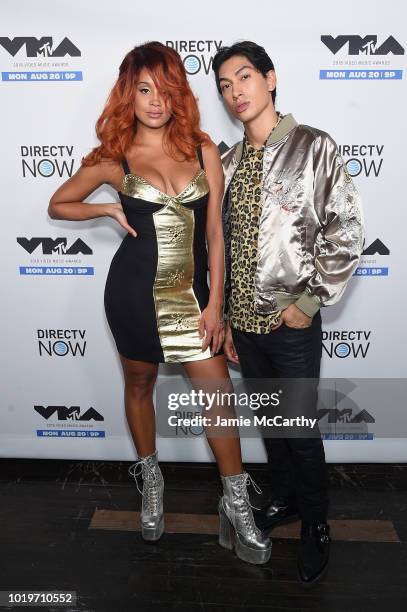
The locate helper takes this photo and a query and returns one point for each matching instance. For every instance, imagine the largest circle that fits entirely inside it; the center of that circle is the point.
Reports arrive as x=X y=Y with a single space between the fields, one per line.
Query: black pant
x=297 y=465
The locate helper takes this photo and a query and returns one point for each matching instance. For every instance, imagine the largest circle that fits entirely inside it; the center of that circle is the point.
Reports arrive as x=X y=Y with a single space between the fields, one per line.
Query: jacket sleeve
x=338 y=246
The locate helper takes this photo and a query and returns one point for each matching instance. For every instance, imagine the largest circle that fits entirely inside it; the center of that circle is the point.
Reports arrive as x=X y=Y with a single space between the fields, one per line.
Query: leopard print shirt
x=246 y=205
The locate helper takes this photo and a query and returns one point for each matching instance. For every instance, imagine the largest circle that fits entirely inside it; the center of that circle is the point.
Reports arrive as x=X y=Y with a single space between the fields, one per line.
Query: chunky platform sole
x=151 y=534
x=228 y=538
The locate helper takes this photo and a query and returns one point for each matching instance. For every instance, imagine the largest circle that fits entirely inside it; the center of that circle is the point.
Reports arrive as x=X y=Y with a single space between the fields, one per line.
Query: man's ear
x=271 y=80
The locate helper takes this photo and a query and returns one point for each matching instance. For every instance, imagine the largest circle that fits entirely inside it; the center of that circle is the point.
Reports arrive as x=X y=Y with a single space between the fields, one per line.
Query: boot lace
x=151 y=481
x=247 y=514
x=249 y=481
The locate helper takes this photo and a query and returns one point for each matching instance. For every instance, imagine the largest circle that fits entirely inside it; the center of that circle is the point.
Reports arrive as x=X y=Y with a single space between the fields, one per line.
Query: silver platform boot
x=152 y=511
x=237 y=529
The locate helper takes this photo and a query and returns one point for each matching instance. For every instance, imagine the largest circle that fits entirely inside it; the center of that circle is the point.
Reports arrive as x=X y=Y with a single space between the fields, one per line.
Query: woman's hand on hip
x=116 y=212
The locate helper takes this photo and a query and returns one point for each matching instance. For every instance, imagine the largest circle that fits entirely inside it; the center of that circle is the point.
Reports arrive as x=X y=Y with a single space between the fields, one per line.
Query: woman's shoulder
x=107 y=169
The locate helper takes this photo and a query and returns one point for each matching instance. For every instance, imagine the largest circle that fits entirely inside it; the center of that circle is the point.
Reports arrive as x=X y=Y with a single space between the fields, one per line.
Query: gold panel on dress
x=177 y=309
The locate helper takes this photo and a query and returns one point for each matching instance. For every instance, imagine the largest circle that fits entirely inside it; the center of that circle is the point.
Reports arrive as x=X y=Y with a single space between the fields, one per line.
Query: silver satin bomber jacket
x=311 y=225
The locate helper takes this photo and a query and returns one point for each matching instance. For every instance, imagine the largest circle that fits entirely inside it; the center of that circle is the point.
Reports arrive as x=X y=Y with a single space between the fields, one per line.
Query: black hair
x=256 y=54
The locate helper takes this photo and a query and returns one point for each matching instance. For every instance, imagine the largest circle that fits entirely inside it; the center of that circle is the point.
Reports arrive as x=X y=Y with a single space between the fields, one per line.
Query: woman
x=169 y=179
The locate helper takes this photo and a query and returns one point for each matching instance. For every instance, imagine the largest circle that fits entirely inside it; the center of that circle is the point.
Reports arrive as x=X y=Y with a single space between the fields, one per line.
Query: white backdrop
x=52 y=92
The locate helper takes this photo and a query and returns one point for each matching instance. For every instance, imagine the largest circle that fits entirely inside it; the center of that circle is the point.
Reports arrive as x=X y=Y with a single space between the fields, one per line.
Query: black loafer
x=313 y=553
x=280 y=511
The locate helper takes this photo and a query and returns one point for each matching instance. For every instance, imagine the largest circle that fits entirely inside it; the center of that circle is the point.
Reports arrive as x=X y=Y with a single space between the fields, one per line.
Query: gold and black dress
x=156 y=287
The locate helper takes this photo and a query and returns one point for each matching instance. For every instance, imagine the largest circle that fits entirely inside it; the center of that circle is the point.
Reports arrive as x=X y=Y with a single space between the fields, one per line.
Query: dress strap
x=125 y=166
x=199 y=154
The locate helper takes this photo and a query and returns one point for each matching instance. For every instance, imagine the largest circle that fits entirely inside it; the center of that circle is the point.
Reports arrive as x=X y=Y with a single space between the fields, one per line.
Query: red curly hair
x=116 y=126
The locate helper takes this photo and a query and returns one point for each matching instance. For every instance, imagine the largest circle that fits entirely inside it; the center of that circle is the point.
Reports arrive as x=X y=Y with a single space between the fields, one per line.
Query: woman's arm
x=68 y=200
x=214 y=235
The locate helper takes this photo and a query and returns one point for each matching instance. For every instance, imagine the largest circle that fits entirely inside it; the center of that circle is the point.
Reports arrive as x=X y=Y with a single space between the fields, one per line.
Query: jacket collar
x=286 y=125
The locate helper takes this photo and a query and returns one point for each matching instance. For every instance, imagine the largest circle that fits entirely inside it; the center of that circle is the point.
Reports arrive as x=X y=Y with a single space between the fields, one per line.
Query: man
x=293 y=238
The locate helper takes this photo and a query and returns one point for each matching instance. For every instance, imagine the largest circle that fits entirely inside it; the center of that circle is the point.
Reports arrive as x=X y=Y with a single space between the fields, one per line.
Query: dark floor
x=50 y=539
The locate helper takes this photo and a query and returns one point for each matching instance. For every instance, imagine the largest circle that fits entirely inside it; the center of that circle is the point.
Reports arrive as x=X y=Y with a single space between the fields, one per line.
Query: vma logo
x=371 y=255
x=52 y=246
x=339 y=415
x=362 y=45
x=376 y=248
x=72 y=413
x=362 y=58
x=61 y=254
x=345 y=416
x=39 y=47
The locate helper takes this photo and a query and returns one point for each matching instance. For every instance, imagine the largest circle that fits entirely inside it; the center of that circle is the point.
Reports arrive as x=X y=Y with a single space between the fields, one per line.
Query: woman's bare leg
x=211 y=374
x=139 y=378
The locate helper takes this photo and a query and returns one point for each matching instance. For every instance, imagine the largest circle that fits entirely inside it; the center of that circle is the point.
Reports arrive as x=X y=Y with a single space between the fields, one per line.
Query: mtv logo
x=366 y=45
x=376 y=248
x=72 y=413
x=37 y=47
